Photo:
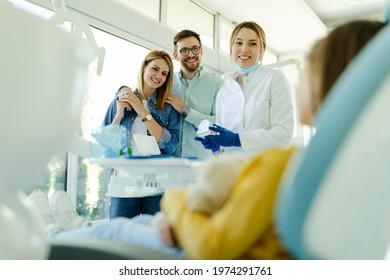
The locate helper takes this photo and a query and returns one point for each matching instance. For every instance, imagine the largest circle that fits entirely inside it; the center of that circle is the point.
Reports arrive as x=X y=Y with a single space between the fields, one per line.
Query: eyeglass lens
x=186 y=51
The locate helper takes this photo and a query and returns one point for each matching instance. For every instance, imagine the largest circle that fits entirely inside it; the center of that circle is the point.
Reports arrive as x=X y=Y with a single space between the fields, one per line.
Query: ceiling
x=293 y=25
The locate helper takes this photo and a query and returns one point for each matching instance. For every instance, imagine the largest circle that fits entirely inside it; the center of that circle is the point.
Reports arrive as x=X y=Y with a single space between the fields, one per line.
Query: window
x=121 y=66
x=291 y=68
x=226 y=29
x=33 y=9
x=187 y=15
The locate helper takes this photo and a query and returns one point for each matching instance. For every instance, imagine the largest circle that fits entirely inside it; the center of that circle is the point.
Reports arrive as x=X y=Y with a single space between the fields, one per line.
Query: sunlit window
x=33 y=9
x=187 y=15
x=121 y=66
x=225 y=30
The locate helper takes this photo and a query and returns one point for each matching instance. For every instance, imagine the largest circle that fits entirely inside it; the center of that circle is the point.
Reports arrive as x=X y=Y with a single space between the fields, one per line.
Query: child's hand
x=124 y=93
x=123 y=99
x=165 y=229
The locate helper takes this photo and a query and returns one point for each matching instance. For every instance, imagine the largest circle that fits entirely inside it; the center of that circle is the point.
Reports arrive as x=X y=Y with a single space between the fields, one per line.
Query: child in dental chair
x=242 y=228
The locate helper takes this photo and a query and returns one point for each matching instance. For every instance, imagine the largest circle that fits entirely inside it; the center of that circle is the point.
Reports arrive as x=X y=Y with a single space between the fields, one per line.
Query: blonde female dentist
x=254 y=108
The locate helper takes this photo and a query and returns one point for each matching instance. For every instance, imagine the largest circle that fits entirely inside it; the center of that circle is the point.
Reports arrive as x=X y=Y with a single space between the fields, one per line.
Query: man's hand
x=135 y=102
x=176 y=102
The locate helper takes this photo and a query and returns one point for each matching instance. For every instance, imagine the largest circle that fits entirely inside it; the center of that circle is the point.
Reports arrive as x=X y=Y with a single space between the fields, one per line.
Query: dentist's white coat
x=262 y=112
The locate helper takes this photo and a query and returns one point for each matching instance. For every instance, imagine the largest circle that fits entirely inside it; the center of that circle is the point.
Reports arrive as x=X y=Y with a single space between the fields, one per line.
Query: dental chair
x=100 y=249
x=334 y=201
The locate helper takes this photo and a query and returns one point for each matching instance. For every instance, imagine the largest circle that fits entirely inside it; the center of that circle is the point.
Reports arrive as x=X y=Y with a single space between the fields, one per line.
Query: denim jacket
x=169 y=119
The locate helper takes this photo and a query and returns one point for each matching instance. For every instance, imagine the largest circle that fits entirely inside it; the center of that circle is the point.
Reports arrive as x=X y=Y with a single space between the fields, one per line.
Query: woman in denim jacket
x=144 y=111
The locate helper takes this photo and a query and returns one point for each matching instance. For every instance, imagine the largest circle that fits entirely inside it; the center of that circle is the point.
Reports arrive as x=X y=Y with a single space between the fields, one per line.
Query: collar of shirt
x=198 y=74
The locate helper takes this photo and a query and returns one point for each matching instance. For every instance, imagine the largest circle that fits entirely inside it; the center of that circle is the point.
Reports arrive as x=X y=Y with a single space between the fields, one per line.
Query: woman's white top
x=261 y=112
x=138 y=127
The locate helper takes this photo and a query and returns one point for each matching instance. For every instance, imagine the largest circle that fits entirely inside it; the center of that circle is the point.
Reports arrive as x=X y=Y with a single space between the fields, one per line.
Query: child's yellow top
x=243 y=228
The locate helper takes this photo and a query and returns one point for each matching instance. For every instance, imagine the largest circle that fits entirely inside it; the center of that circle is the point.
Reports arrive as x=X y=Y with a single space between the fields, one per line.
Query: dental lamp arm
x=62 y=14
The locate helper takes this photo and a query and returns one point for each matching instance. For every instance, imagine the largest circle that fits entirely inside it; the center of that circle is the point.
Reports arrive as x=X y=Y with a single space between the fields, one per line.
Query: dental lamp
x=292 y=61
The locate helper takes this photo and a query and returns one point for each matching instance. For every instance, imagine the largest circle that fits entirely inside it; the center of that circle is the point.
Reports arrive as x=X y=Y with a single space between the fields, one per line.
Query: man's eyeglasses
x=186 y=51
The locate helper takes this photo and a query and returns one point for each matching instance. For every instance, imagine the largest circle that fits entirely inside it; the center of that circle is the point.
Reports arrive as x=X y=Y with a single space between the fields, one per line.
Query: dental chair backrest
x=334 y=201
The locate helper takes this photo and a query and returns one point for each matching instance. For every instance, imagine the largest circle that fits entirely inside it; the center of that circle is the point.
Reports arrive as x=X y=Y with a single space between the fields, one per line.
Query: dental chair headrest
x=332 y=203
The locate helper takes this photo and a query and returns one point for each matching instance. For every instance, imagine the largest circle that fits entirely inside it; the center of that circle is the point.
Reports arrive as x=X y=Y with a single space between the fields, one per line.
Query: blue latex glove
x=224 y=137
x=207 y=144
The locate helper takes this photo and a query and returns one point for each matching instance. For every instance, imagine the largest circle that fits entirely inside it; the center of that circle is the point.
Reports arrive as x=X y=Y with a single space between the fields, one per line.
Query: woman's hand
x=121 y=105
x=124 y=94
x=136 y=104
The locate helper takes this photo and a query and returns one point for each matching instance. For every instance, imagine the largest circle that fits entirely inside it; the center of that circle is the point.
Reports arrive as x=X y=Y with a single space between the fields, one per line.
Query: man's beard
x=191 y=68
